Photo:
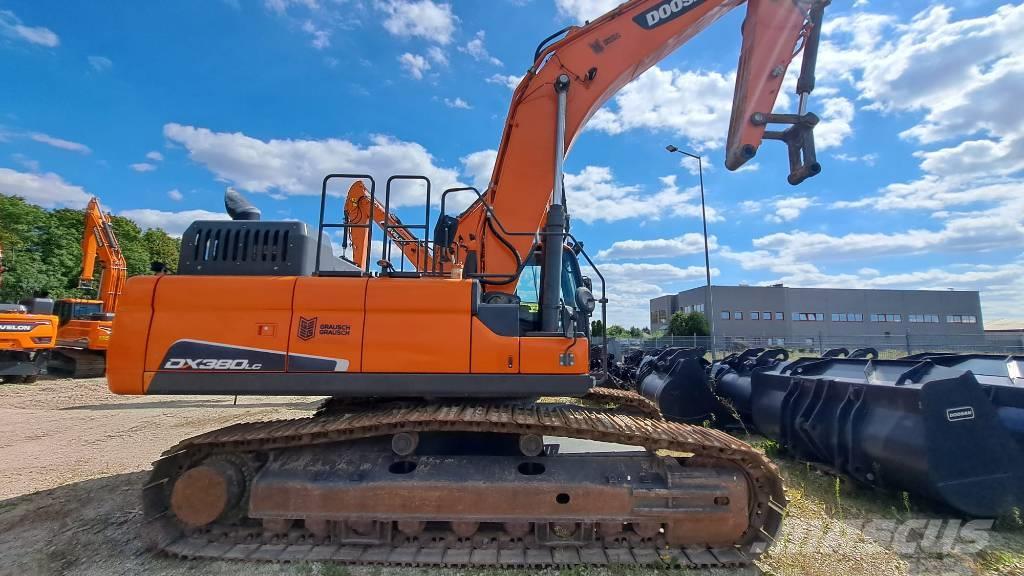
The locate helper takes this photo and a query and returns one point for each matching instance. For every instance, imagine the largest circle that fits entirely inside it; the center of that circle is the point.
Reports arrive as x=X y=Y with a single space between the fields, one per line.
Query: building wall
x=791 y=302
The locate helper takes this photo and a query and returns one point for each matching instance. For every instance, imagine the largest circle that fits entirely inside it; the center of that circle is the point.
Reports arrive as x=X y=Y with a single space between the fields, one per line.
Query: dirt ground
x=73 y=457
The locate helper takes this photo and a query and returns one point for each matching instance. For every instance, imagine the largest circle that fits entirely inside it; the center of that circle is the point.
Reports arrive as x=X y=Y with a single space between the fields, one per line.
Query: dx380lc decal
x=197 y=355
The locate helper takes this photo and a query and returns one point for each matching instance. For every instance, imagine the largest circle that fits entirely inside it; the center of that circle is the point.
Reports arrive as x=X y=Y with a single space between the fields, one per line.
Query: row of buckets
x=946 y=426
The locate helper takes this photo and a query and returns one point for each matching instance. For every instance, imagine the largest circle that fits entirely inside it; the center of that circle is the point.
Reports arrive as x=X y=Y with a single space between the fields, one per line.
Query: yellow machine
x=27 y=335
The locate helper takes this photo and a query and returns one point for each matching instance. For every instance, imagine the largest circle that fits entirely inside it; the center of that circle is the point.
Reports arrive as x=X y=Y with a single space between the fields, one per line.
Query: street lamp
x=707 y=257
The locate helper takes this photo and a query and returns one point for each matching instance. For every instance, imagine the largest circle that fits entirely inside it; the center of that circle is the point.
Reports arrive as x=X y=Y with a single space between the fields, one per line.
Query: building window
x=848 y=317
x=835 y=317
x=699 y=308
x=724 y=314
x=766 y=315
x=737 y=315
x=755 y=315
x=962 y=319
x=923 y=318
x=780 y=316
x=810 y=317
x=886 y=318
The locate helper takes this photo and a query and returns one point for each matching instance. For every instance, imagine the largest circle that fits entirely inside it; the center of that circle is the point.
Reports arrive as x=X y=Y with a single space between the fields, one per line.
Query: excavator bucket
x=677 y=381
x=948 y=427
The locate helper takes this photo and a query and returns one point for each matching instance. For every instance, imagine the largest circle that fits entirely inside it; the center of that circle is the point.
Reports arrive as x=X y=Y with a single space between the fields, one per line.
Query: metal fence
x=888 y=346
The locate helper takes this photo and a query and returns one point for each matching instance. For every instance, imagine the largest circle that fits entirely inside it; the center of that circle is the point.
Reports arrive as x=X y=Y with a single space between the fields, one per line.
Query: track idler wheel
x=207 y=492
x=465 y=529
x=411 y=528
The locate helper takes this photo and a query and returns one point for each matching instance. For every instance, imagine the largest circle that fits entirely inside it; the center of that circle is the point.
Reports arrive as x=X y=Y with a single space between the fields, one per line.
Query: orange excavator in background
x=433 y=448
x=86 y=324
x=28 y=332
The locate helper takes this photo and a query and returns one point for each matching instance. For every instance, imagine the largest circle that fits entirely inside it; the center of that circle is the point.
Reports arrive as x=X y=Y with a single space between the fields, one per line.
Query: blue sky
x=157 y=107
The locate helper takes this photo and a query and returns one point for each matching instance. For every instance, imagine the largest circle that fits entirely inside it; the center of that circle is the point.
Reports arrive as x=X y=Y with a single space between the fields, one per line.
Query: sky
x=157 y=107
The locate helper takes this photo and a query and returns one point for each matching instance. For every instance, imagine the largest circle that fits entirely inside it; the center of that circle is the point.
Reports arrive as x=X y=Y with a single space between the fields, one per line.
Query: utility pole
x=707 y=257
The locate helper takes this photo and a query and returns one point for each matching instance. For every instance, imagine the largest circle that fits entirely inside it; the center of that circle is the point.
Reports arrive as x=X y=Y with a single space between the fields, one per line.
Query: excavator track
x=77 y=363
x=626 y=400
x=274 y=485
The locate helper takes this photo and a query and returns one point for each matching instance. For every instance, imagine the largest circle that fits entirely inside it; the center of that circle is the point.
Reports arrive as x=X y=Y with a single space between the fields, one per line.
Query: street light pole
x=707 y=256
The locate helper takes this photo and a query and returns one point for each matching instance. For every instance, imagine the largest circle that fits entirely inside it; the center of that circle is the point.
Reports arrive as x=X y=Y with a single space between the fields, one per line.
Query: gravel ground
x=73 y=456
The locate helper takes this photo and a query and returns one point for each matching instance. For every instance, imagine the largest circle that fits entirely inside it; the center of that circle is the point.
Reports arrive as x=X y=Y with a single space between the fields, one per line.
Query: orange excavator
x=434 y=447
x=86 y=324
x=27 y=335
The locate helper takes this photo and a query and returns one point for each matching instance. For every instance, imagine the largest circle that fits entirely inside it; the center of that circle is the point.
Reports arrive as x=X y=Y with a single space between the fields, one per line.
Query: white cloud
x=689 y=243
x=788 y=209
x=693 y=105
x=511 y=81
x=319 y=37
x=436 y=55
x=297 y=167
x=632 y=285
x=100 y=63
x=12 y=27
x=281 y=6
x=866 y=159
x=478 y=51
x=174 y=223
x=414 y=64
x=478 y=167
x=457 y=103
x=594 y=195
x=836 y=123
x=175 y=194
x=60 y=143
x=142 y=167
x=154 y=156
x=996 y=228
x=419 y=18
x=584 y=10
x=47 y=190
x=963 y=76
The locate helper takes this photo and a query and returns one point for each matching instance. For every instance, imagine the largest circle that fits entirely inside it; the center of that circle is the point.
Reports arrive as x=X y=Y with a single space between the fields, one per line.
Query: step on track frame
x=273 y=540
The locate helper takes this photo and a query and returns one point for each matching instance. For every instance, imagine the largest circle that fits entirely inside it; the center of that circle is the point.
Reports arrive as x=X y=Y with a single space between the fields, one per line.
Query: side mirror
x=588 y=283
x=585 y=300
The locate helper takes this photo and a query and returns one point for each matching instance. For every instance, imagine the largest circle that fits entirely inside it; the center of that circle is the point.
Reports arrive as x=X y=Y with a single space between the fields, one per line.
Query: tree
x=692 y=324
x=616 y=331
x=635 y=332
x=596 y=328
x=162 y=248
x=43 y=252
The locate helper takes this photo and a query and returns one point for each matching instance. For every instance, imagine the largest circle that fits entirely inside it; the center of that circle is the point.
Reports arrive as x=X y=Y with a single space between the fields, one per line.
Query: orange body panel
x=227 y=310
x=367 y=325
x=332 y=309
x=85 y=334
x=493 y=354
x=126 y=359
x=543 y=355
x=41 y=333
x=417 y=325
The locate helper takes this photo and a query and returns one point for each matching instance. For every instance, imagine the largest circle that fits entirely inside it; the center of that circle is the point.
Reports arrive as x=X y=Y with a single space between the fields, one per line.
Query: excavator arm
x=360 y=208
x=590 y=64
x=98 y=240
